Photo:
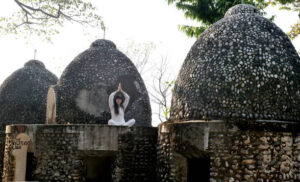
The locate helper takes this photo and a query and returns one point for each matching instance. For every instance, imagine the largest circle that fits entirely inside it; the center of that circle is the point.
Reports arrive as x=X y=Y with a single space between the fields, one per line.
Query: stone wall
x=8 y=160
x=258 y=151
x=136 y=159
x=63 y=152
x=2 y=147
x=57 y=154
x=164 y=156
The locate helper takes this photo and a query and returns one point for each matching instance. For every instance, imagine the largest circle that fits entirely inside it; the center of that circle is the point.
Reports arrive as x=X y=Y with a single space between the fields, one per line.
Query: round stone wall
x=243 y=66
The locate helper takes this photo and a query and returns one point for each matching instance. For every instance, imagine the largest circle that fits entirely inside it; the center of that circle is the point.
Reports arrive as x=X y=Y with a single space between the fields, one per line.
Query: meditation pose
x=118 y=101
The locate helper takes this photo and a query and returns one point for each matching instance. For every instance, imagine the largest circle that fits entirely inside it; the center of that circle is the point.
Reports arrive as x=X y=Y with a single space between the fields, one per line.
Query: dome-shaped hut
x=242 y=66
x=23 y=94
x=81 y=95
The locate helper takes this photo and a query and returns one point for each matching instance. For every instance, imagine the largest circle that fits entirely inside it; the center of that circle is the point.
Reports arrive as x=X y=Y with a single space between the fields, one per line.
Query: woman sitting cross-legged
x=118 y=101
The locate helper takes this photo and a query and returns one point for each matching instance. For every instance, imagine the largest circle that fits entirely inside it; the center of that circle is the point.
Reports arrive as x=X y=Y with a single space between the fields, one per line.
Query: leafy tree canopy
x=208 y=12
x=41 y=17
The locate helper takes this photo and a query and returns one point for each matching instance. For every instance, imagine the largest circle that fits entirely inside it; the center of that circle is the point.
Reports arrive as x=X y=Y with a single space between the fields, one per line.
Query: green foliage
x=292 y=5
x=167 y=113
x=169 y=86
x=208 y=12
x=192 y=31
x=41 y=17
x=295 y=31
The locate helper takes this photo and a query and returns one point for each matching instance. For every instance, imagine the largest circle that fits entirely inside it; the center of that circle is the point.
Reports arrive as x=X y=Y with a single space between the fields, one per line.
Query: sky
x=136 y=21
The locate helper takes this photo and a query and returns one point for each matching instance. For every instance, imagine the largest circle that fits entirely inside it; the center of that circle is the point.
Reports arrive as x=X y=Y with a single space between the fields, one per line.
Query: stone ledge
x=90 y=137
x=223 y=125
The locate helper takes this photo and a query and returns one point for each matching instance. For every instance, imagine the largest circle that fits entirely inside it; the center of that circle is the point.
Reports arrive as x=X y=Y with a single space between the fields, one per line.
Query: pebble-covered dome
x=82 y=92
x=23 y=94
x=242 y=66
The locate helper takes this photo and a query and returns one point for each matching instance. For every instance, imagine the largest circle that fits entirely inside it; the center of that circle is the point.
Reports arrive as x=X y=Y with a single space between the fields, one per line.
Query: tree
x=162 y=89
x=158 y=82
x=208 y=12
x=41 y=17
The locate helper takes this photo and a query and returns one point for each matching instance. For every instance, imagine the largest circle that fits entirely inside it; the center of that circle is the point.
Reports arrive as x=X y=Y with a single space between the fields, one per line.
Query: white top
x=118 y=117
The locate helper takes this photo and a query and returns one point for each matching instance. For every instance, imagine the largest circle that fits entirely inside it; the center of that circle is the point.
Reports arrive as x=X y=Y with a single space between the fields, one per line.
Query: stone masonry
x=137 y=152
x=258 y=151
x=24 y=92
x=234 y=115
x=60 y=150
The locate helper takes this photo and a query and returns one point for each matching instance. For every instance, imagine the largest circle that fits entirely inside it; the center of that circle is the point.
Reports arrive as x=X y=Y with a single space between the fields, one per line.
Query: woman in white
x=118 y=101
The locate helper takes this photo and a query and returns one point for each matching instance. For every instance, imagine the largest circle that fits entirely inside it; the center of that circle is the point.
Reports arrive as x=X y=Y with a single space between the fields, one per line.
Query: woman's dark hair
x=118 y=95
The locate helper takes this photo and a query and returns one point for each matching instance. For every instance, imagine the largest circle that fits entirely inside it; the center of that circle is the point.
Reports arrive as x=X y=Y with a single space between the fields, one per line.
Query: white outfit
x=118 y=119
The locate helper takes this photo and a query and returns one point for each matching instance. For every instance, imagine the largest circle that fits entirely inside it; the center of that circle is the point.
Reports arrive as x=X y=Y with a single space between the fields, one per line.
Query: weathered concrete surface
x=99 y=137
x=20 y=155
x=90 y=137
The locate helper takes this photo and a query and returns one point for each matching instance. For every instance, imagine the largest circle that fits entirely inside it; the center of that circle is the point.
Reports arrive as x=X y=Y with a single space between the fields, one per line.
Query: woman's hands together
x=120 y=87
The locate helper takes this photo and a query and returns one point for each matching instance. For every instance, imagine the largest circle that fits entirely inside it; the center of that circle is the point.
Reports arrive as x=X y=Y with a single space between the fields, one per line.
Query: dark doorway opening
x=198 y=169
x=30 y=166
x=98 y=169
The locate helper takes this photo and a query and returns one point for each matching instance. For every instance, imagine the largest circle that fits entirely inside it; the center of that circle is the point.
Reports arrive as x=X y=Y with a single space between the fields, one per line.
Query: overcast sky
x=134 y=20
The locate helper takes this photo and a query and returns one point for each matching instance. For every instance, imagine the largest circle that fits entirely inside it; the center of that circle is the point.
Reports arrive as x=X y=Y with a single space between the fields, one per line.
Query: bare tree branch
x=161 y=89
x=42 y=16
x=139 y=53
x=25 y=8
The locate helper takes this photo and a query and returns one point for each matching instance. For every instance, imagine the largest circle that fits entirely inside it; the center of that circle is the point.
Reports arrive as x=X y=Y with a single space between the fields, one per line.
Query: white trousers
x=129 y=123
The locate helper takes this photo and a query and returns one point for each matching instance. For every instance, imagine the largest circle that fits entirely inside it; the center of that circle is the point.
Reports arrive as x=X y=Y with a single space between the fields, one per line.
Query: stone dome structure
x=81 y=95
x=23 y=94
x=241 y=67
